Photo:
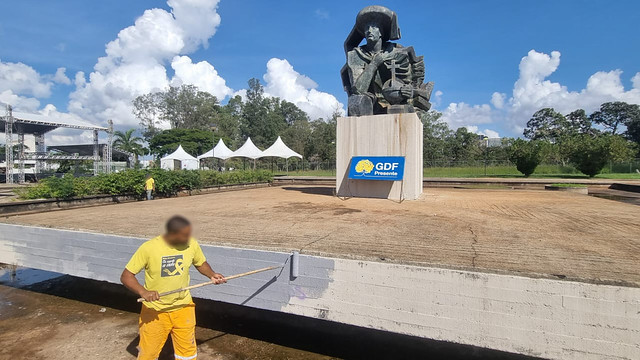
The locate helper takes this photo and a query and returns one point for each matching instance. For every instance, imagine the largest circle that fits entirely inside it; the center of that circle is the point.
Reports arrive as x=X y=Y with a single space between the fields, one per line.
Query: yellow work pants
x=155 y=326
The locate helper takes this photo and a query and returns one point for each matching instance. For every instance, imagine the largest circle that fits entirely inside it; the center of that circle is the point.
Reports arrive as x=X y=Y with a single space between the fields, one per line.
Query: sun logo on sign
x=364 y=166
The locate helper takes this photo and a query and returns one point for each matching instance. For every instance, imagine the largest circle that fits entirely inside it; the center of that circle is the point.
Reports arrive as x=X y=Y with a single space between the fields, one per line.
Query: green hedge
x=131 y=182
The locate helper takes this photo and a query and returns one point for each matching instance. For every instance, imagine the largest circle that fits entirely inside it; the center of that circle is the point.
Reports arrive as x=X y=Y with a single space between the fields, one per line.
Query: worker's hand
x=149 y=295
x=218 y=279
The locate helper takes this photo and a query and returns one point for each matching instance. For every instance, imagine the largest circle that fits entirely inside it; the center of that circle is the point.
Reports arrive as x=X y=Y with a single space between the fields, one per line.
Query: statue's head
x=377 y=22
x=372 y=32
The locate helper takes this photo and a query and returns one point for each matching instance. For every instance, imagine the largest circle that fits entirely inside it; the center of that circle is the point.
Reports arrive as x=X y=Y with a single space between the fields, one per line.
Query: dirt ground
x=532 y=232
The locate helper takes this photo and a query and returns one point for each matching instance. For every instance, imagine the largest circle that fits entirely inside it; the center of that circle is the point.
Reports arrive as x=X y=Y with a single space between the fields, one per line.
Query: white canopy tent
x=281 y=150
x=179 y=159
x=248 y=150
x=220 y=151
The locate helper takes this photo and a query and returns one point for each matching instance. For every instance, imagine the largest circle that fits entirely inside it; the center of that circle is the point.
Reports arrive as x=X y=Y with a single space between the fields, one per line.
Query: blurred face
x=180 y=237
x=372 y=33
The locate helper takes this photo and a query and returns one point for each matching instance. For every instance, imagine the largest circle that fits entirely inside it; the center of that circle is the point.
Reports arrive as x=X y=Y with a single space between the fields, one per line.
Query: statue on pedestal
x=382 y=77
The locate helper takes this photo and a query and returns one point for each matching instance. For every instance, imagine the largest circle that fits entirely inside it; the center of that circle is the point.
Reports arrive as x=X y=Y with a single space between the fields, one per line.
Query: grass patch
x=483 y=186
x=565 y=185
x=306 y=173
x=497 y=171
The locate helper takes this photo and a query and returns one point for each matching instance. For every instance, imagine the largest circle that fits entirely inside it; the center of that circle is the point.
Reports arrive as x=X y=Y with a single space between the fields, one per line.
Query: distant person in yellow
x=150 y=186
x=166 y=260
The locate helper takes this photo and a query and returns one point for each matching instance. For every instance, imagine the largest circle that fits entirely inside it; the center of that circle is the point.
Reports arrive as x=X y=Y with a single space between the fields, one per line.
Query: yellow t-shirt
x=166 y=268
x=148 y=185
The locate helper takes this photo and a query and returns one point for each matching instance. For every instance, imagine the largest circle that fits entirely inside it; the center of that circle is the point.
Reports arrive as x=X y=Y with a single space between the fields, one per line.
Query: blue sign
x=390 y=168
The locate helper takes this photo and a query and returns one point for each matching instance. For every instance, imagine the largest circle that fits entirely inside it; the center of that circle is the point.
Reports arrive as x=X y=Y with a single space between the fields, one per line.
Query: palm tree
x=129 y=142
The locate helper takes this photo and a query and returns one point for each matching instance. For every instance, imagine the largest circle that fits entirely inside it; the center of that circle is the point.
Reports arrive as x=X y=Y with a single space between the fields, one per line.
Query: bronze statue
x=382 y=77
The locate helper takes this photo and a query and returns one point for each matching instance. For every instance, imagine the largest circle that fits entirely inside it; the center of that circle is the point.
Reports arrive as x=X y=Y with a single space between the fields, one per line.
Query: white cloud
x=491 y=134
x=135 y=62
x=22 y=79
x=60 y=77
x=21 y=85
x=462 y=114
x=284 y=82
x=533 y=91
x=497 y=100
x=79 y=80
x=635 y=80
x=201 y=74
x=242 y=93
x=19 y=103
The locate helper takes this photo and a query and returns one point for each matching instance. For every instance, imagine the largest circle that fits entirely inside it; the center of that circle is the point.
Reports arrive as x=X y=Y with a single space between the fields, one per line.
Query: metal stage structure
x=38 y=125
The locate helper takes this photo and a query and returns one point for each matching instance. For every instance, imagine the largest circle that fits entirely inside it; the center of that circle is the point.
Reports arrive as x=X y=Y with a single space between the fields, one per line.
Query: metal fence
x=453 y=168
x=473 y=168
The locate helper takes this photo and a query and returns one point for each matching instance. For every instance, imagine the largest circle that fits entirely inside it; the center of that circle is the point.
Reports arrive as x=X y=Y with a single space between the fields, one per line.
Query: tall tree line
x=198 y=120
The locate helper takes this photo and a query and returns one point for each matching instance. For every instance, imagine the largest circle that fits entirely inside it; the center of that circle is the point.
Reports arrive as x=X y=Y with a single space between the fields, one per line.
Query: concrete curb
x=330 y=180
x=626 y=187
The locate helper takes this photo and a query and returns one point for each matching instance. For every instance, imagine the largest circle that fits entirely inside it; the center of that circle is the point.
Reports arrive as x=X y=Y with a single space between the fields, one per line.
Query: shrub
x=131 y=182
x=527 y=155
x=590 y=154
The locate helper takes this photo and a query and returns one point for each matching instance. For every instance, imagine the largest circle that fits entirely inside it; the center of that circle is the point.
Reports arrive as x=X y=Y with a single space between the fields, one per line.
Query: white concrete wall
x=380 y=135
x=540 y=317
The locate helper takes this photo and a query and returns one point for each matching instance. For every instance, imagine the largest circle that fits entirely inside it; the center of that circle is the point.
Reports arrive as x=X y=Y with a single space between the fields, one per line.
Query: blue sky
x=472 y=49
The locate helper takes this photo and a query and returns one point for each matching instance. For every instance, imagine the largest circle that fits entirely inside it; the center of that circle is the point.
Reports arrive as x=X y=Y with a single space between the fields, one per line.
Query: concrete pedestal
x=380 y=135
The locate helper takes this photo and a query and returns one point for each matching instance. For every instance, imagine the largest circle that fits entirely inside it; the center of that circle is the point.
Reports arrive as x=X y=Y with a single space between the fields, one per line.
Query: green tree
x=527 y=155
x=298 y=132
x=193 y=141
x=435 y=134
x=322 y=142
x=633 y=131
x=265 y=118
x=147 y=109
x=546 y=124
x=129 y=142
x=579 y=123
x=186 y=107
x=590 y=154
x=613 y=115
x=183 y=107
x=227 y=124
x=464 y=145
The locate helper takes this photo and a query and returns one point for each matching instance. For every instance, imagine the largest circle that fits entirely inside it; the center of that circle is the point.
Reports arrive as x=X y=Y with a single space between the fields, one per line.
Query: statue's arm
x=362 y=78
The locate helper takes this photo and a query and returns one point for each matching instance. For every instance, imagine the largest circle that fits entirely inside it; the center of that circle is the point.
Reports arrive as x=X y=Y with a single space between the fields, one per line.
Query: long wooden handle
x=211 y=282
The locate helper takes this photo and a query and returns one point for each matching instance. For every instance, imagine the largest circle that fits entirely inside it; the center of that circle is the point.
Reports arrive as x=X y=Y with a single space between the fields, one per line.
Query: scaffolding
x=38 y=126
x=8 y=131
x=109 y=149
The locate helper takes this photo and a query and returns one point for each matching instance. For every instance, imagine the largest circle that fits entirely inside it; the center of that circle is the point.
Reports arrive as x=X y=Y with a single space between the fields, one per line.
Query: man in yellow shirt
x=149 y=186
x=166 y=260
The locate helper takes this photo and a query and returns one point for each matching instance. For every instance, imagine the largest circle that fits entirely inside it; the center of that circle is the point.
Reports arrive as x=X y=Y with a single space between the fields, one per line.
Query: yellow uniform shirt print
x=149 y=183
x=172 y=265
x=166 y=268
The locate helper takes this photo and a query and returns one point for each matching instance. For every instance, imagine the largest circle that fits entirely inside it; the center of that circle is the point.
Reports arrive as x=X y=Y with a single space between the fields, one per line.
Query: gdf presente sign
x=390 y=168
